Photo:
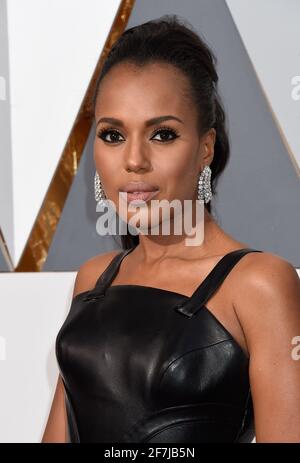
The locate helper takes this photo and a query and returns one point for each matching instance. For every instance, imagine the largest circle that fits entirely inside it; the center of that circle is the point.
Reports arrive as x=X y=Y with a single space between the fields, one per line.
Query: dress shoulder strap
x=212 y=282
x=111 y=270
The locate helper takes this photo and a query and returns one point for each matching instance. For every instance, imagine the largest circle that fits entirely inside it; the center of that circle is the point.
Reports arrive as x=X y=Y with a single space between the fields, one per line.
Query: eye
x=114 y=134
x=165 y=133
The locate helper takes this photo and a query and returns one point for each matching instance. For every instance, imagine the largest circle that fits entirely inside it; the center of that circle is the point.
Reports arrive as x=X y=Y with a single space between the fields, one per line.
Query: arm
x=56 y=428
x=87 y=275
x=268 y=307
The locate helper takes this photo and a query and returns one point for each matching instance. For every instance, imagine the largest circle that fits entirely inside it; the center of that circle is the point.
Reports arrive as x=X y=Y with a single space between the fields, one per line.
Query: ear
x=207 y=147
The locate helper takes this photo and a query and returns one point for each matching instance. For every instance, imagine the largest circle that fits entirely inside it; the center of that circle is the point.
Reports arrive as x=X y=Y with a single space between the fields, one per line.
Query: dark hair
x=167 y=39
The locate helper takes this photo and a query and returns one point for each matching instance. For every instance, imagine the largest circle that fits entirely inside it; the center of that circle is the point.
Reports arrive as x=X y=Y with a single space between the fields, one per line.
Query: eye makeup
x=109 y=131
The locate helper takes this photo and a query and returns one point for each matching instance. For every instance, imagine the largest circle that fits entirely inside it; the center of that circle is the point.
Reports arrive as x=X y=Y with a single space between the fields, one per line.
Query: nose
x=136 y=158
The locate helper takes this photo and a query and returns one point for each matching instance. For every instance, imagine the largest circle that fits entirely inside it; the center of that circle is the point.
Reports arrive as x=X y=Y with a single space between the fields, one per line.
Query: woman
x=166 y=342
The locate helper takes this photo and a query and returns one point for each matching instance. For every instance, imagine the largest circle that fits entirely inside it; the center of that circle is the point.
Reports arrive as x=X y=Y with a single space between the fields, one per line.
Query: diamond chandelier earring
x=99 y=192
x=204 y=185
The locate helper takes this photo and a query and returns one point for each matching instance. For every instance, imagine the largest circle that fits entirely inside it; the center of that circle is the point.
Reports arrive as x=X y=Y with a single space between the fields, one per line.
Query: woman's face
x=168 y=153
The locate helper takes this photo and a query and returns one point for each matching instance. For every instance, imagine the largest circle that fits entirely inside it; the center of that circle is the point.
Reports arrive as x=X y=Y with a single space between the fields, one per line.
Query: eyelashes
x=113 y=133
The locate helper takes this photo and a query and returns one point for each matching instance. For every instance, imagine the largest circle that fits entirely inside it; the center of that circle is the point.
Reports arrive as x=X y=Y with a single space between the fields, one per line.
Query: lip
x=132 y=187
x=139 y=196
x=138 y=192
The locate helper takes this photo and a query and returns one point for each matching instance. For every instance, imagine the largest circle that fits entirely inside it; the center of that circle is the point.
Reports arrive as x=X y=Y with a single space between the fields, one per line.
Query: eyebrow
x=154 y=120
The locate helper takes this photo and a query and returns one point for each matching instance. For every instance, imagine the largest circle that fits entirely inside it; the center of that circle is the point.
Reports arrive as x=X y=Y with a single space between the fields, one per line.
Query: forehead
x=144 y=91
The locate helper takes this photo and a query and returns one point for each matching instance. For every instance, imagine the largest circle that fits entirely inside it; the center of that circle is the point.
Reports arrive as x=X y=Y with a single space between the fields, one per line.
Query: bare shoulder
x=267 y=303
x=268 y=273
x=266 y=294
x=90 y=270
x=265 y=267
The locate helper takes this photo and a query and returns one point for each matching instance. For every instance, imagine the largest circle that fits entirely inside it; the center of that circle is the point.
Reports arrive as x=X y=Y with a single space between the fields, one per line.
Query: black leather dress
x=143 y=364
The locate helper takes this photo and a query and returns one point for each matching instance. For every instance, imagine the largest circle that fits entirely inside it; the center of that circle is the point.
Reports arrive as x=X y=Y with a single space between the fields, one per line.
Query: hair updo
x=167 y=39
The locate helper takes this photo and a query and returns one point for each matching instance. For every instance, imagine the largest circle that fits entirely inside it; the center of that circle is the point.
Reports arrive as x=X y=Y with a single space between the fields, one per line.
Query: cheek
x=178 y=178
x=106 y=162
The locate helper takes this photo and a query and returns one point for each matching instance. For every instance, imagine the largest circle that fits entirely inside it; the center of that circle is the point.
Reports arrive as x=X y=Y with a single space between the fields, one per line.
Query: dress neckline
x=184 y=296
x=220 y=269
